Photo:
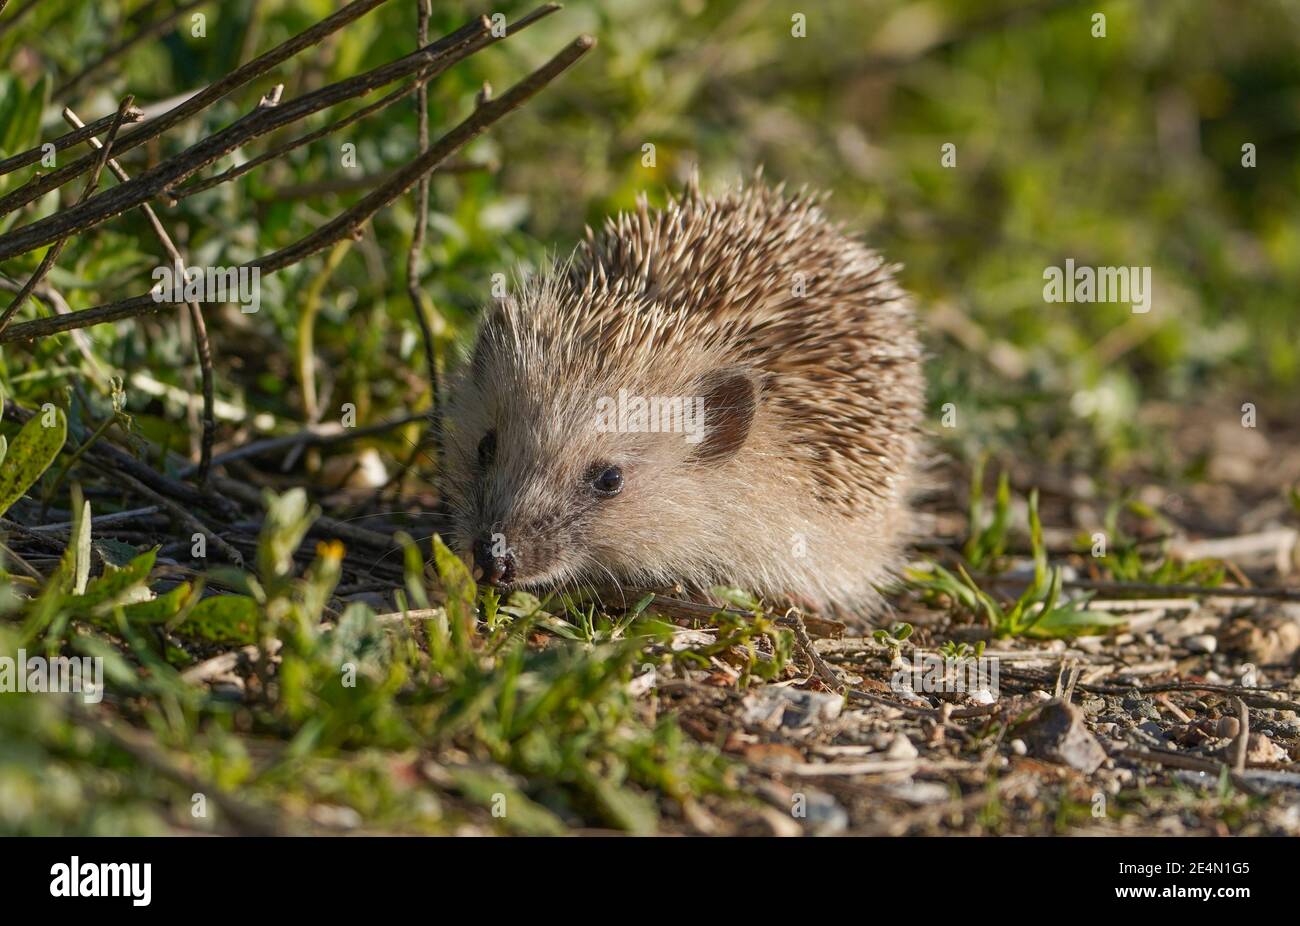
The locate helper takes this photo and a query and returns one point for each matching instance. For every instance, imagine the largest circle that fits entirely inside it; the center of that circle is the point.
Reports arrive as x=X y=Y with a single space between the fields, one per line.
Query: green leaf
x=159 y=610
x=33 y=450
x=492 y=790
x=115 y=587
x=624 y=808
x=461 y=592
x=222 y=619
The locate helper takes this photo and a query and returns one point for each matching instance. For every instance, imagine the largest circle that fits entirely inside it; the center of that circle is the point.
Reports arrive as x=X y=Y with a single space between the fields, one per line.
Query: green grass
x=544 y=739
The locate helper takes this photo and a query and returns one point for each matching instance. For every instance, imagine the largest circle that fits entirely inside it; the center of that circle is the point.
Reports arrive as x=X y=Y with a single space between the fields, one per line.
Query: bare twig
x=314 y=436
x=31 y=156
x=423 y=11
x=820 y=666
x=349 y=222
x=193 y=104
x=183 y=515
x=1242 y=742
x=112 y=457
x=1141 y=590
x=437 y=57
x=53 y=253
x=201 y=343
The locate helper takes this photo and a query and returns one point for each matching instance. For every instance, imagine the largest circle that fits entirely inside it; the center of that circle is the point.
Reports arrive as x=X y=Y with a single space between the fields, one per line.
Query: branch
x=53 y=253
x=348 y=222
x=401 y=93
x=423 y=10
x=200 y=101
x=201 y=342
x=9 y=165
x=440 y=56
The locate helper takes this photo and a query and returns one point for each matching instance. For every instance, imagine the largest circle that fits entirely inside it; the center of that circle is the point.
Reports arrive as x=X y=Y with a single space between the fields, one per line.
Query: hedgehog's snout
x=497 y=568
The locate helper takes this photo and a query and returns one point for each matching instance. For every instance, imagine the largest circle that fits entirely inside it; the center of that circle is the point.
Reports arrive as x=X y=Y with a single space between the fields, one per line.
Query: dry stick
x=183 y=515
x=314 y=436
x=346 y=223
x=1191 y=763
x=344 y=531
x=1141 y=589
x=1240 y=744
x=59 y=305
x=153 y=30
x=31 y=156
x=191 y=105
x=423 y=11
x=112 y=457
x=53 y=253
x=821 y=667
x=384 y=102
x=1272 y=592
x=332 y=185
x=403 y=179
x=1249 y=695
x=199 y=186
x=201 y=342
x=437 y=57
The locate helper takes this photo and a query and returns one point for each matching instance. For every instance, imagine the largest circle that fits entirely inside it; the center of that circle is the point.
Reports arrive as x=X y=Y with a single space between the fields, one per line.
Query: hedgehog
x=726 y=391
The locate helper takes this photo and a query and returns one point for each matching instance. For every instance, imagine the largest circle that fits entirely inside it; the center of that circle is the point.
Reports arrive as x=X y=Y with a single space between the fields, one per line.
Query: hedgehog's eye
x=487 y=449
x=605 y=480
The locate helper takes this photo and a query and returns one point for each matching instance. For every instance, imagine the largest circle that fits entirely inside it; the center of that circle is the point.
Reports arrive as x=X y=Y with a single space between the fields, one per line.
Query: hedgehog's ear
x=730 y=396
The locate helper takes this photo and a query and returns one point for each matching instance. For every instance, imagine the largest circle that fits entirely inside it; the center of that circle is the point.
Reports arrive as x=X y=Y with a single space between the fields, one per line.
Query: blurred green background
x=1117 y=150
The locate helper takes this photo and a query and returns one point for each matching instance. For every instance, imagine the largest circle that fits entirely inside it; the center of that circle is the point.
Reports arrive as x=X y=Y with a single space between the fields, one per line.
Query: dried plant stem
x=193 y=104
x=53 y=253
x=347 y=223
x=437 y=57
x=202 y=344
x=98 y=127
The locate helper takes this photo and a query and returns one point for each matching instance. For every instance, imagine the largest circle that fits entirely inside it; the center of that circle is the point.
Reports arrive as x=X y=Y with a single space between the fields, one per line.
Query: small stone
x=901 y=748
x=1264 y=751
x=1227 y=728
x=1019 y=748
x=774 y=706
x=823 y=815
x=1059 y=735
x=1201 y=643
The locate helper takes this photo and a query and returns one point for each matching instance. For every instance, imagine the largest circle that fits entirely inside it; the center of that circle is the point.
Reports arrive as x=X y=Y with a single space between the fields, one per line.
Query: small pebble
x=1201 y=643
x=1019 y=748
x=1227 y=727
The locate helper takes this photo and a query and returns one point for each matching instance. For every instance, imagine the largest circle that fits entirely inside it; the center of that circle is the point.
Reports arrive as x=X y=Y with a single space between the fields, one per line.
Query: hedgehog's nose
x=497 y=570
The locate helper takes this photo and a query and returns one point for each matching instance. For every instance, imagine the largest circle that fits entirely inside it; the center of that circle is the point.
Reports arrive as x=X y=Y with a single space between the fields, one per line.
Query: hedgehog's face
x=553 y=483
